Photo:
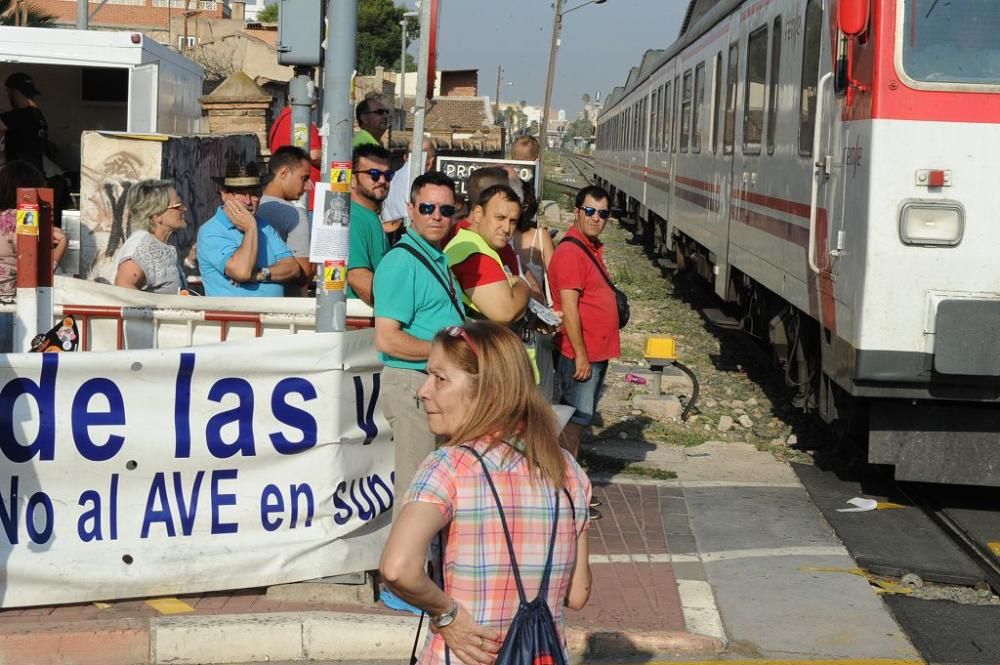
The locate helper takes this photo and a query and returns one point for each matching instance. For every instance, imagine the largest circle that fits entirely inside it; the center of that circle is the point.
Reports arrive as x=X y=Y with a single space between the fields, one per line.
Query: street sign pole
x=420 y=103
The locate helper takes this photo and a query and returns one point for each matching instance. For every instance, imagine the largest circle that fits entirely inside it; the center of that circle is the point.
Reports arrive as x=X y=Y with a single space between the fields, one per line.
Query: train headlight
x=935 y=224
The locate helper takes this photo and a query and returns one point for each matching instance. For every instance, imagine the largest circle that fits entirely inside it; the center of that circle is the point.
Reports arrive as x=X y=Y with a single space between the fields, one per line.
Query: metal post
x=543 y=131
x=420 y=103
x=496 y=100
x=338 y=123
x=82 y=15
x=300 y=97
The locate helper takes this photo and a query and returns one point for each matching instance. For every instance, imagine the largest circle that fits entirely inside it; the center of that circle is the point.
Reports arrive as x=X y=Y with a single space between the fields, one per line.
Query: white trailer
x=103 y=80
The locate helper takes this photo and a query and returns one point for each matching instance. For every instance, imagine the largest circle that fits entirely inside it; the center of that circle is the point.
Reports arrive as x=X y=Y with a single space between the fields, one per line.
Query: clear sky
x=600 y=43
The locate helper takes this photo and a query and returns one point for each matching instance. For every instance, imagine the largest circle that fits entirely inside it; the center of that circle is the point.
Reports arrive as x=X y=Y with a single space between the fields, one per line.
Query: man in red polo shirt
x=281 y=135
x=589 y=337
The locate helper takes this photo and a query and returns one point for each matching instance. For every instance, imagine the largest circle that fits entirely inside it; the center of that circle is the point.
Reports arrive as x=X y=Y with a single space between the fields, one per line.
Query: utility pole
x=300 y=98
x=543 y=130
x=338 y=123
x=82 y=15
x=420 y=103
x=496 y=100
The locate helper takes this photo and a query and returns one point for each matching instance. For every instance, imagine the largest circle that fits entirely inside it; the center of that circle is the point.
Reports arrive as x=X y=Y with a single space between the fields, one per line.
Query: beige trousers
x=405 y=413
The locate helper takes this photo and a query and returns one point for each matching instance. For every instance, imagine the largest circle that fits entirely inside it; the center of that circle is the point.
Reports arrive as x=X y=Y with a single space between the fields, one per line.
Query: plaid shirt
x=477 y=566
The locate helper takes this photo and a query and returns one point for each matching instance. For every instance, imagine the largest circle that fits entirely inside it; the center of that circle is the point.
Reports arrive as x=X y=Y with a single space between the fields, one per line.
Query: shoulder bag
x=622 y=300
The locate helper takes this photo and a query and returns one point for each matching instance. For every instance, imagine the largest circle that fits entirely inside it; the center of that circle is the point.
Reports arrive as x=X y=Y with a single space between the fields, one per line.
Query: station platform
x=638 y=609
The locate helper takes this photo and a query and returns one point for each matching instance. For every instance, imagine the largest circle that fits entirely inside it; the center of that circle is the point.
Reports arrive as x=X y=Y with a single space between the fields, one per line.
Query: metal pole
x=300 y=97
x=420 y=103
x=543 y=131
x=82 y=15
x=402 y=79
x=496 y=100
x=338 y=121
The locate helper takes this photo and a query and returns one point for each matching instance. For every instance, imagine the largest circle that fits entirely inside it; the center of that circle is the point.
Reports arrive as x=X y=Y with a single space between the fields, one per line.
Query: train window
x=676 y=130
x=686 y=112
x=772 y=94
x=716 y=98
x=732 y=76
x=699 y=102
x=811 y=44
x=668 y=126
x=753 y=96
x=654 y=121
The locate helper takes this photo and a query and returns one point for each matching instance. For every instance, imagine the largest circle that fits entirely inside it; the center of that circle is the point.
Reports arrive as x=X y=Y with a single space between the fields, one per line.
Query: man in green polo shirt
x=416 y=295
x=373 y=120
x=369 y=187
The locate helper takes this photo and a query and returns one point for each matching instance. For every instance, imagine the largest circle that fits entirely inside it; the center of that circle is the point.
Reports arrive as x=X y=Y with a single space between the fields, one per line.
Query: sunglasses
x=382 y=112
x=428 y=209
x=376 y=174
x=176 y=206
x=589 y=212
x=459 y=331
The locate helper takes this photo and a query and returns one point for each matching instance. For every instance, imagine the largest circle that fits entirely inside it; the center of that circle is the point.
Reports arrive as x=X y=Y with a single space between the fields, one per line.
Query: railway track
x=580 y=174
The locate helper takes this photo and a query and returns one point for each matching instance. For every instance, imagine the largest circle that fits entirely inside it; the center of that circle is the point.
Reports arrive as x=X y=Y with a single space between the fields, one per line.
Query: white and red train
x=830 y=167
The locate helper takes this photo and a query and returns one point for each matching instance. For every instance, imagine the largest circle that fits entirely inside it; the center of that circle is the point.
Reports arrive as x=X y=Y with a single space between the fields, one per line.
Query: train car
x=827 y=166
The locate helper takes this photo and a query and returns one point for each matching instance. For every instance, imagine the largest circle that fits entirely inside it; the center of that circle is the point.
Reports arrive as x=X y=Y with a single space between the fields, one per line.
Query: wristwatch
x=442 y=620
x=264 y=275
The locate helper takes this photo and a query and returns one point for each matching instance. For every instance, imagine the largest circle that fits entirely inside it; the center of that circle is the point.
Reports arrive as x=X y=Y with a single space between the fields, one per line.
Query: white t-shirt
x=394 y=206
x=156 y=259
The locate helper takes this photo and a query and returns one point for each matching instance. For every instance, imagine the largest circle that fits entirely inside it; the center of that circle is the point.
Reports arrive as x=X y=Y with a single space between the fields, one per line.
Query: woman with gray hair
x=147 y=261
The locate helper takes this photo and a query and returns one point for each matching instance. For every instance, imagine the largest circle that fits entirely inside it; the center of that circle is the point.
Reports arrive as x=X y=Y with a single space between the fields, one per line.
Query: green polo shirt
x=368 y=241
x=406 y=292
x=363 y=137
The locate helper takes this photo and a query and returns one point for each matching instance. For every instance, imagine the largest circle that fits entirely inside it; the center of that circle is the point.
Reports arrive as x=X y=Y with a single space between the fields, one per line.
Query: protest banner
x=155 y=472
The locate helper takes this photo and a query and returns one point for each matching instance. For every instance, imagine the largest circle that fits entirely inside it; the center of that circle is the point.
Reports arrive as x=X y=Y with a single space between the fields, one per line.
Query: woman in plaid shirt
x=480 y=392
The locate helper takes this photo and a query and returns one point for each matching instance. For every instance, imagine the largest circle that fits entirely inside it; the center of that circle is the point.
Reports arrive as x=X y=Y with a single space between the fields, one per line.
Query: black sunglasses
x=380 y=111
x=375 y=174
x=589 y=212
x=428 y=209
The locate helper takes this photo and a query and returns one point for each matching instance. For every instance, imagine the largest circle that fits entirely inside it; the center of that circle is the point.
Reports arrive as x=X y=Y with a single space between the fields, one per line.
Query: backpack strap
x=423 y=259
x=544 y=587
x=593 y=258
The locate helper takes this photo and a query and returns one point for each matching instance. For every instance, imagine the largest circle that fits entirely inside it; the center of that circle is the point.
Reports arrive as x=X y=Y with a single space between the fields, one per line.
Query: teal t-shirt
x=368 y=241
x=406 y=292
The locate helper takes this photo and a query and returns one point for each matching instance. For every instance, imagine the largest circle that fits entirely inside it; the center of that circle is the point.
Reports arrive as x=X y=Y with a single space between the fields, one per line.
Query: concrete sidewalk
x=638 y=607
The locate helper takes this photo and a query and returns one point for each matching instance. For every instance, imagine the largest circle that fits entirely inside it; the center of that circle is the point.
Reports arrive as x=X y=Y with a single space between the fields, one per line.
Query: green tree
x=581 y=127
x=269 y=14
x=379 y=35
x=24 y=12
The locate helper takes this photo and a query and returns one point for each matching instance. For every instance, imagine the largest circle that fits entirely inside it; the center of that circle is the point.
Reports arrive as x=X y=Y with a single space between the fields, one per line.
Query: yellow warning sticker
x=169 y=605
x=300 y=135
x=27 y=221
x=334 y=275
x=340 y=177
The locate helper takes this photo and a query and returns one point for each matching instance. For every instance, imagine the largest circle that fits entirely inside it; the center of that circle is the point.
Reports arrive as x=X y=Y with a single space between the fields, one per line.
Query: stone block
x=664 y=407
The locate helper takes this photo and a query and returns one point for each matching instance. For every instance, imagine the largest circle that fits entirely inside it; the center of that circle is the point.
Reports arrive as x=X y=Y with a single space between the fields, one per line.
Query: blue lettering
x=364 y=513
x=304 y=490
x=44 y=393
x=83 y=419
x=182 y=407
x=187 y=510
x=157 y=495
x=39 y=499
x=293 y=416
x=242 y=415
x=219 y=500
x=366 y=417
x=92 y=515
x=8 y=512
x=271 y=502
x=345 y=513
x=376 y=481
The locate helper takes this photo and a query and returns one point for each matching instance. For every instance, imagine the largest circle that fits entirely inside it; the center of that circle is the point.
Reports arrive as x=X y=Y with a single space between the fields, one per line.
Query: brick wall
x=132 y=14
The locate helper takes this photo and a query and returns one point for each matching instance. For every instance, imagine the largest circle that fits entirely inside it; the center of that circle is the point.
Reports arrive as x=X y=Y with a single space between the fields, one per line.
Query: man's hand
x=241 y=218
x=583 y=370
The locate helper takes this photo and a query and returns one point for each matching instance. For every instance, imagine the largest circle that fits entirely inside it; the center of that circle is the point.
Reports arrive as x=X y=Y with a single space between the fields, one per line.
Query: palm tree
x=24 y=13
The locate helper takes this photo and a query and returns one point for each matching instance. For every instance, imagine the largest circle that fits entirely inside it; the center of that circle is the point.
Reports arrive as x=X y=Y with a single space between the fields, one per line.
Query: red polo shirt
x=479 y=269
x=570 y=269
x=281 y=135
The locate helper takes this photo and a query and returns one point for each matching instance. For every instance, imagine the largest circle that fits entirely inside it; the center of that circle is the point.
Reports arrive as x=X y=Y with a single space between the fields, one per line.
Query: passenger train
x=830 y=167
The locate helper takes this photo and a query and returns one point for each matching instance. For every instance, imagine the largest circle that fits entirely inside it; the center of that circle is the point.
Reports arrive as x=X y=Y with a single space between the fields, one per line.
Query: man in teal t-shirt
x=369 y=187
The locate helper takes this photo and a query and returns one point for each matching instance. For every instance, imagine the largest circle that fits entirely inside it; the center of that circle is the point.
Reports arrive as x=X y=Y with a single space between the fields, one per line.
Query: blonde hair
x=146 y=199
x=506 y=403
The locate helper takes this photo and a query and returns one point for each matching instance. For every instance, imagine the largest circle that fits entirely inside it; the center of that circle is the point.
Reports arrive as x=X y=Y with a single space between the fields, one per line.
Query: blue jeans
x=581 y=395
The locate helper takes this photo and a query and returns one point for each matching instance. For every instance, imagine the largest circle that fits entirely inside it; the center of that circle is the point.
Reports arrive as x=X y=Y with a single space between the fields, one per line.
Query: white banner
x=146 y=473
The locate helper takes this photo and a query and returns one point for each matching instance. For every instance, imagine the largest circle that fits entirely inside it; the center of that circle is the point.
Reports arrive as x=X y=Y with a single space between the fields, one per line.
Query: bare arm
x=574 y=331
x=403 y=569
x=59 y=244
x=286 y=270
x=130 y=275
x=391 y=340
x=315 y=155
x=501 y=301
x=547 y=246
x=578 y=592
x=360 y=280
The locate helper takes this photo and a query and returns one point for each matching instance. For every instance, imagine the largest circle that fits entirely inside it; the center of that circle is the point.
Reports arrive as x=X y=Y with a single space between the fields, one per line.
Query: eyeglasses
x=375 y=174
x=459 y=331
x=428 y=209
x=382 y=112
x=589 y=212
x=176 y=206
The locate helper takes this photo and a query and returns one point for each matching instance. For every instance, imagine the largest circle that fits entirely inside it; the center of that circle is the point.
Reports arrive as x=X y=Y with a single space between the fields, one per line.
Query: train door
x=726 y=87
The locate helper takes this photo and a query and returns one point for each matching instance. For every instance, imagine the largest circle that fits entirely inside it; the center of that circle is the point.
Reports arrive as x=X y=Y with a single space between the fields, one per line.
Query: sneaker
x=595 y=502
x=394 y=602
x=595 y=514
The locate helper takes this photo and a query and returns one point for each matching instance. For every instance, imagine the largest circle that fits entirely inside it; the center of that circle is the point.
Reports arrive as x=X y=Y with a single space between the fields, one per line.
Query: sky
x=600 y=43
